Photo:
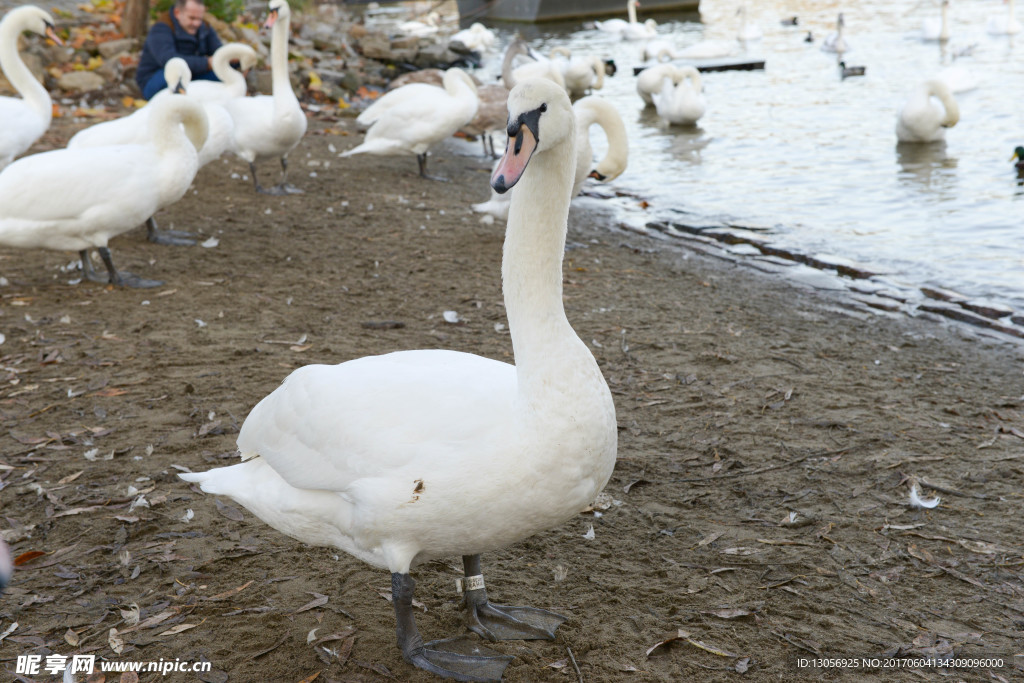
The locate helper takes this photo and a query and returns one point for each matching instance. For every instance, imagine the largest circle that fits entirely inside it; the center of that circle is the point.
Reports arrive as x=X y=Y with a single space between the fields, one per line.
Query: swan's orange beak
x=51 y=33
x=271 y=19
x=523 y=136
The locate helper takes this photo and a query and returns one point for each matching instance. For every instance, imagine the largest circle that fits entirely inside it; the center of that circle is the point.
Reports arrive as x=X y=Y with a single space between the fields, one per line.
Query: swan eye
x=544 y=107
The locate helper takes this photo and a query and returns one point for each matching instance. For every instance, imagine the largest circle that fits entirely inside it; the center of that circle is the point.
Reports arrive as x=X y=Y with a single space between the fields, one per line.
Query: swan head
x=31 y=18
x=246 y=56
x=651 y=24
x=539 y=118
x=177 y=74
x=458 y=74
x=278 y=9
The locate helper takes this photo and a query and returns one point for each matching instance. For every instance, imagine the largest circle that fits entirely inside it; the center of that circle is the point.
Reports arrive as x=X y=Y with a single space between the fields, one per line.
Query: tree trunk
x=135 y=22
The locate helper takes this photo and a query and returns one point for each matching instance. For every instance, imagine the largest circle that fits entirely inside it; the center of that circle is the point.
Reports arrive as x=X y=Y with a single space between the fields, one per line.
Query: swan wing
x=327 y=426
x=21 y=127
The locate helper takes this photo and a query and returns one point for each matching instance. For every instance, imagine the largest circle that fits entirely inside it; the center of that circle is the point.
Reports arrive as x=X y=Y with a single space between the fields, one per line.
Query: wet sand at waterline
x=758 y=512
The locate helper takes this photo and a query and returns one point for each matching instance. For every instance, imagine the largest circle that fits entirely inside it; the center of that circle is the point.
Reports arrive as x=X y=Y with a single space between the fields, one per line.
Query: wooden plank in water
x=712 y=65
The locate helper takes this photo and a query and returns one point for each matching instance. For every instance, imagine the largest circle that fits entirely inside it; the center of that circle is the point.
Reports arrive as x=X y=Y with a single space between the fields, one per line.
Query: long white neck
x=284 y=96
x=598 y=73
x=593 y=110
x=229 y=76
x=177 y=123
x=952 y=109
x=19 y=75
x=531 y=266
x=631 y=11
x=944 y=31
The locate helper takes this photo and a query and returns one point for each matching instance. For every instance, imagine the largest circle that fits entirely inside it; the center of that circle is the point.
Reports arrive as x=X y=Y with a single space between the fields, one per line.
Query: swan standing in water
x=580 y=73
x=588 y=111
x=922 y=119
x=102 y=191
x=134 y=129
x=270 y=126
x=1004 y=24
x=413 y=118
x=649 y=81
x=417 y=455
x=22 y=121
x=680 y=101
x=834 y=41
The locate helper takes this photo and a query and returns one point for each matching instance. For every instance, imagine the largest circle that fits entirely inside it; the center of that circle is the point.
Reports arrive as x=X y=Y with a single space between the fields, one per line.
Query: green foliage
x=225 y=10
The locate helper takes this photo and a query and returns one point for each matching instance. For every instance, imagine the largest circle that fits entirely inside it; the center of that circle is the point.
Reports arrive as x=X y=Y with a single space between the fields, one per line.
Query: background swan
x=417 y=455
x=579 y=73
x=649 y=80
x=836 y=41
x=681 y=102
x=922 y=119
x=937 y=28
x=22 y=121
x=413 y=118
x=748 y=31
x=709 y=49
x=617 y=26
x=1004 y=24
x=588 y=111
x=477 y=37
x=103 y=191
x=232 y=81
x=270 y=126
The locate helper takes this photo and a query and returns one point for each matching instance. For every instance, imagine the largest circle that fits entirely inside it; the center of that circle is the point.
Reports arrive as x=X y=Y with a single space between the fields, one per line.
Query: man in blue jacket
x=182 y=32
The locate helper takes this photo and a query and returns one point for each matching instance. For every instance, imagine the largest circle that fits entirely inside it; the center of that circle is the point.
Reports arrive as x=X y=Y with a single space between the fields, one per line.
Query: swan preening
x=270 y=126
x=588 y=112
x=24 y=120
x=103 y=191
x=922 y=119
x=680 y=100
x=416 y=455
x=1004 y=24
x=413 y=118
x=632 y=29
x=835 y=41
x=649 y=81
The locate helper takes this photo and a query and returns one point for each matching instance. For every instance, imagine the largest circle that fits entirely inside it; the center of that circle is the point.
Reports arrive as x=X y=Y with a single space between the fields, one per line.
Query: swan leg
x=177 y=238
x=439 y=657
x=123 y=279
x=422 y=160
x=499 y=622
x=282 y=187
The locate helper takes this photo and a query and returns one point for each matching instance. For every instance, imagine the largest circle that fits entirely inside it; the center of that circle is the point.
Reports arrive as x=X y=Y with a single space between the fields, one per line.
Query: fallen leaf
x=115 y=641
x=318 y=602
x=26 y=557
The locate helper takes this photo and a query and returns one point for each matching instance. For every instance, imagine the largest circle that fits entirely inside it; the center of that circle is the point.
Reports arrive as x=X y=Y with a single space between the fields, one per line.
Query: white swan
x=1004 y=24
x=102 y=191
x=632 y=29
x=477 y=37
x=270 y=126
x=681 y=102
x=709 y=49
x=834 y=41
x=747 y=31
x=921 y=119
x=580 y=74
x=413 y=118
x=649 y=80
x=588 y=111
x=937 y=28
x=232 y=82
x=134 y=129
x=26 y=119
x=659 y=49
x=407 y=457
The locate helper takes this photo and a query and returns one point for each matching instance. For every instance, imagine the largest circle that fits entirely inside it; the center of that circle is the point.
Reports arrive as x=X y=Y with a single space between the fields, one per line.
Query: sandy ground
x=758 y=512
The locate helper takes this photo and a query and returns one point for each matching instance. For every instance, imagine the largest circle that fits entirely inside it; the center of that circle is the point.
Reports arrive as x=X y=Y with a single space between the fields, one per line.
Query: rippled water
x=814 y=158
